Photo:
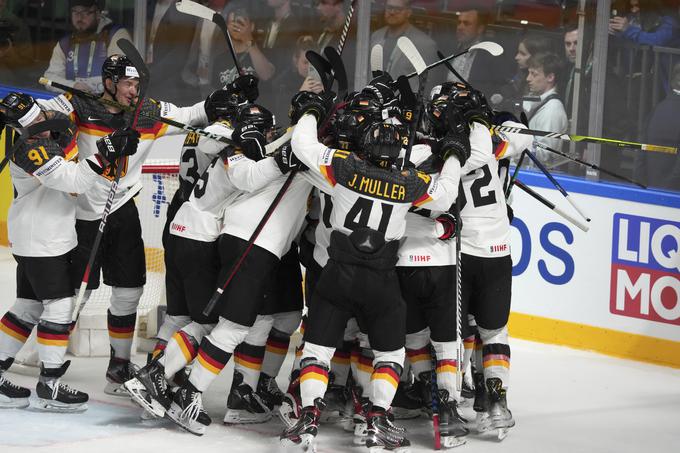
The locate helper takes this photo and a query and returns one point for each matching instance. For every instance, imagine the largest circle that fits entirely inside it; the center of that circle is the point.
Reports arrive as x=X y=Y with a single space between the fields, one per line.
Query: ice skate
x=336 y=404
x=480 y=405
x=243 y=405
x=291 y=404
x=303 y=432
x=407 y=402
x=11 y=395
x=54 y=396
x=149 y=389
x=187 y=410
x=500 y=417
x=118 y=373
x=269 y=392
x=382 y=434
x=359 y=421
x=467 y=393
x=452 y=427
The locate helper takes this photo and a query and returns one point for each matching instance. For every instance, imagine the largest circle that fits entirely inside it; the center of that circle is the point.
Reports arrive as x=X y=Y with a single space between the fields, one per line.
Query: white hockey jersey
x=200 y=217
x=94 y=121
x=42 y=216
x=365 y=196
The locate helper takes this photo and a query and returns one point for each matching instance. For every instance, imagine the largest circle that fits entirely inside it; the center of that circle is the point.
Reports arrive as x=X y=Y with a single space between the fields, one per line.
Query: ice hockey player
x=192 y=255
x=370 y=199
x=41 y=224
x=121 y=254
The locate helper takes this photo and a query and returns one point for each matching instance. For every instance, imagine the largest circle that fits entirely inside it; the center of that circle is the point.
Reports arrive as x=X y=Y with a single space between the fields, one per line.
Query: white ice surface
x=563 y=401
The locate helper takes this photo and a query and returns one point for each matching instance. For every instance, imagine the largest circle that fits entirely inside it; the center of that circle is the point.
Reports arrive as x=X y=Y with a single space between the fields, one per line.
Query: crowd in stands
x=188 y=57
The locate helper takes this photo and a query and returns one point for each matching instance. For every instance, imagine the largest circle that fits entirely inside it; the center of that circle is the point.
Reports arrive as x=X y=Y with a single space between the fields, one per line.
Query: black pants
x=364 y=286
x=487 y=290
x=120 y=254
x=284 y=292
x=191 y=269
x=42 y=278
x=430 y=295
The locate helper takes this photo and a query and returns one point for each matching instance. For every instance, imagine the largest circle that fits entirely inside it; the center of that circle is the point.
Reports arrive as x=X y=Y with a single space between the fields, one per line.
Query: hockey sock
x=477 y=357
x=496 y=354
x=340 y=363
x=275 y=352
x=418 y=351
x=121 y=333
x=248 y=362
x=181 y=350
x=13 y=334
x=469 y=348
x=313 y=380
x=210 y=360
x=447 y=365
x=171 y=324
x=384 y=382
x=52 y=343
x=405 y=377
x=159 y=347
x=365 y=370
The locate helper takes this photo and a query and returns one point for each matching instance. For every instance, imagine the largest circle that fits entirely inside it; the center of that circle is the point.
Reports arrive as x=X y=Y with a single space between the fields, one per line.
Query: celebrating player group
x=392 y=201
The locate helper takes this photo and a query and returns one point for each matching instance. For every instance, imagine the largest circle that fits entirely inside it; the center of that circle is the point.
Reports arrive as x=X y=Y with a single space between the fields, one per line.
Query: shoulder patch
x=64 y=103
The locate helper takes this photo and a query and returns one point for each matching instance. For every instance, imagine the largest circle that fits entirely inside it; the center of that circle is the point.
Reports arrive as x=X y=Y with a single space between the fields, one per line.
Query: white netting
x=160 y=183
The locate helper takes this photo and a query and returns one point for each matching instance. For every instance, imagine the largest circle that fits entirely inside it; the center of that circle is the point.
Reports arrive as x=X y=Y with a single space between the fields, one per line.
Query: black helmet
x=382 y=143
x=116 y=67
x=224 y=104
x=257 y=115
x=19 y=110
x=361 y=111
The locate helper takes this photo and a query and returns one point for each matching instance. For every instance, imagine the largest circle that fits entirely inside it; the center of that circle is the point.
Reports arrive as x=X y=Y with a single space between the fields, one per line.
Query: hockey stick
x=514 y=176
x=586 y=139
x=198 y=10
x=144 y=76
x=557 y=185
x=588 y=164
x=377 y=60
x=322 y=67
x=434 y=391
x=409 y=50
x=489 y=46
x=551 y=205
x=270 y=148
x=460 y=348
x=339 y=72
x=260 y=226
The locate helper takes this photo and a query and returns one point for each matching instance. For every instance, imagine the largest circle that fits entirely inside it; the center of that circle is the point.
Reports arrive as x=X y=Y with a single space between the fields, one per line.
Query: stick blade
x=195 y=9
x=339 y=72
x=493 y=48
x=132 y=53
x=322 y=67
x=376 y=59
x=409 y=50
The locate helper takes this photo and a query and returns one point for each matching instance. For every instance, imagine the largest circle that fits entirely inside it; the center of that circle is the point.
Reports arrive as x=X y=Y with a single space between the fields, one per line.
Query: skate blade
x=502 y=433
x=453 y=441
x=55 y=406
x=137 y=392
x=13 y=403
x=287 y=414
x=194 y=428
x=116 y=389
x=305 y=443
x=380 y=448
x=360 y=434
x=242 y=417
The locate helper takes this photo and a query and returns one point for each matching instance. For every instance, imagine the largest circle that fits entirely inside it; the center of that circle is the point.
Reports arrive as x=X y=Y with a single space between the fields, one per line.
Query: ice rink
x=563 y=401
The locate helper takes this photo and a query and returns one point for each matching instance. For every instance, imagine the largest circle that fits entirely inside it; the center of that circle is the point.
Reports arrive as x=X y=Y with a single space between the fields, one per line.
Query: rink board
x=614 y=289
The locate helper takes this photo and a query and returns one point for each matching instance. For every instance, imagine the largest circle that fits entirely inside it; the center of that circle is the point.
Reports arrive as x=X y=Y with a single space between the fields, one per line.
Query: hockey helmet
x=224 y=104
x=116 y=67
x=360 y=112
x=256 y=115
x=19 y=110
x=382 y=143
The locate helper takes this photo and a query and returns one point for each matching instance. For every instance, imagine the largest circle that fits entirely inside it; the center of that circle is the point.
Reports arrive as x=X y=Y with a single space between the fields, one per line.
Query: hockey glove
x=245 y=85
x=456 y=145
x=381 y=89
x=305 y=102
x=121 y=142
x=251 y=141
x=287 y=160
x=450 y=224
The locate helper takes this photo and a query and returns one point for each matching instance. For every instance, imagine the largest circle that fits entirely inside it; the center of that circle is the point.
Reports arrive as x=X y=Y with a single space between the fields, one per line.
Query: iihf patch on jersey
x=327 y=156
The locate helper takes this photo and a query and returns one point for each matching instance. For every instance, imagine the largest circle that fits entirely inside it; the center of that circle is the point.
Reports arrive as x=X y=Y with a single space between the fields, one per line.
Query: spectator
x=570 y=48
x=332 y=18
x=548 y=114
x=397 y=24
x=476 y=67
x=647 y=22
x=281 y=32
x=198 y=69
x=516 y=88
x=79 y=56
x=251 y=58
x=168 y=50
x=16 y=52
x=658 y=169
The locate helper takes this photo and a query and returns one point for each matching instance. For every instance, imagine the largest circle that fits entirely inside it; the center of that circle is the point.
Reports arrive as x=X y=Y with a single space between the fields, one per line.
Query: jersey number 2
x=479 y=200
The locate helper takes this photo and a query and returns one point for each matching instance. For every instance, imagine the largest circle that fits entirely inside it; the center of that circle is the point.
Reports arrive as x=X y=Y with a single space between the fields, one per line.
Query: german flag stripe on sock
x=121 y=327
x=342 y=357
x=10 y=325
x=160 y=347
x=387 y=374
x=314 y=372
x=478 y=343
x=52 y=339
x=365 y=364
x=211 y=357
x=496 y=360
x=185 y=344
x=209 y=363
x=121 y=333
x=254 y=362
x=469 y=342
x=447 y=366
x=277 y=346
x=418 y=355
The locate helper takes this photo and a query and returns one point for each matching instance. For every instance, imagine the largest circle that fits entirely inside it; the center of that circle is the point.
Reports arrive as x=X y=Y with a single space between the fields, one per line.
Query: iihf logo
x=645 y=279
